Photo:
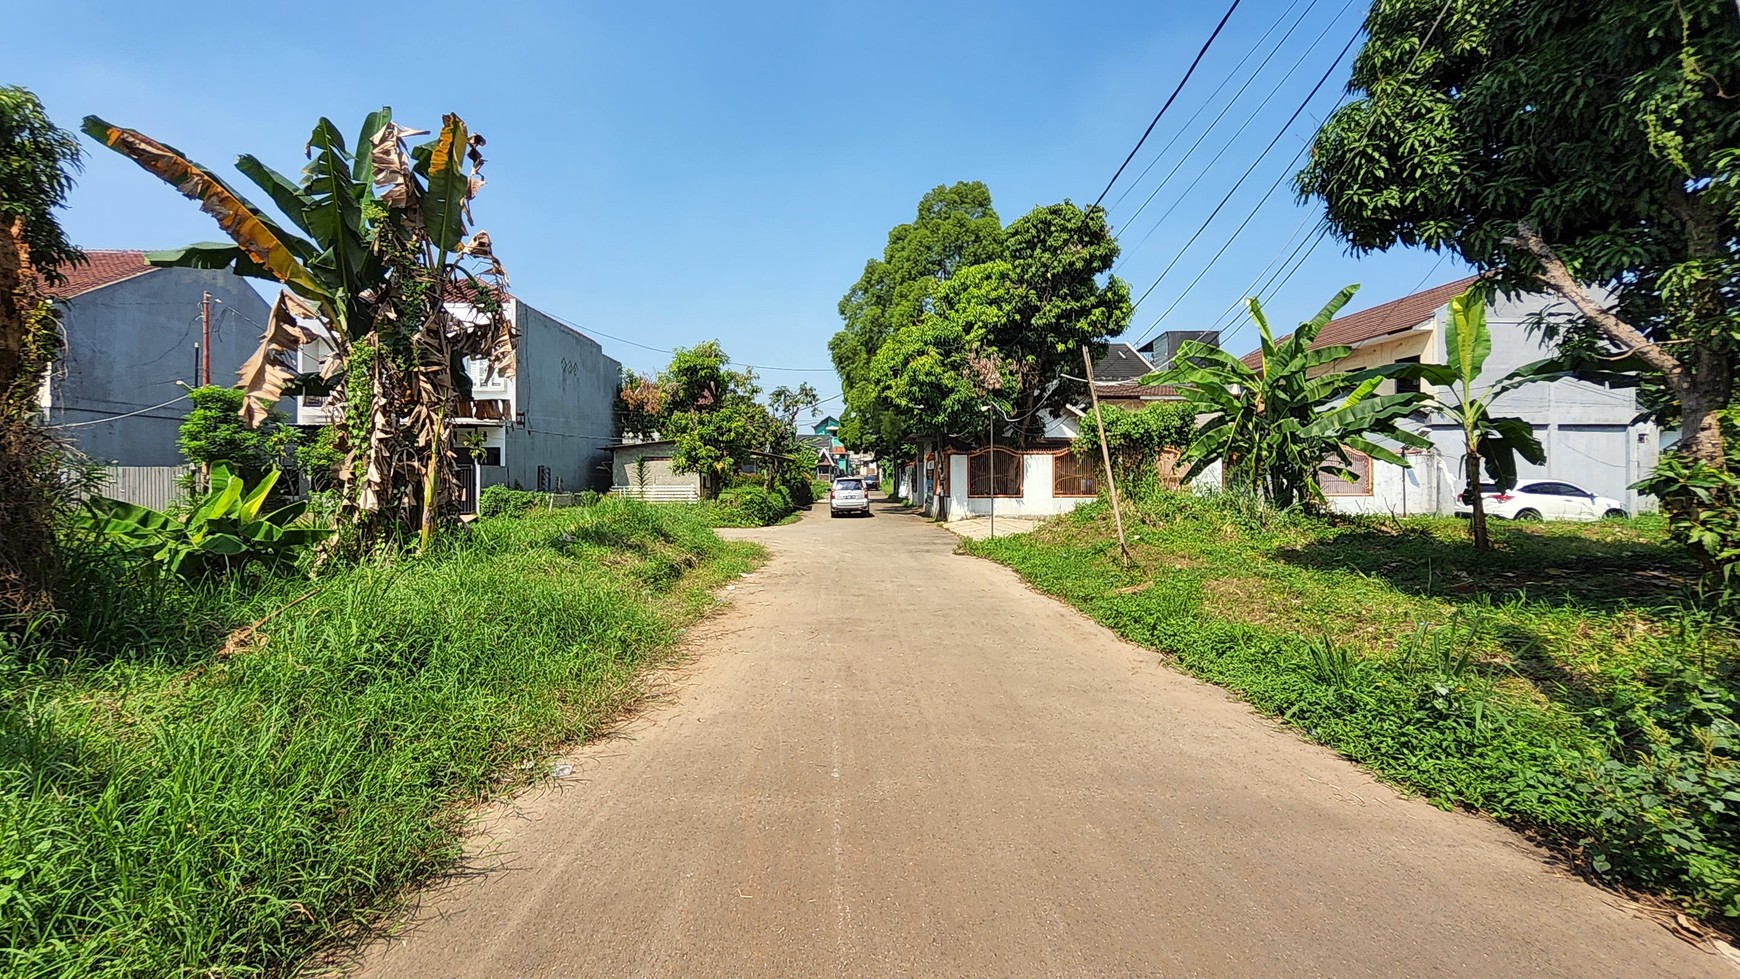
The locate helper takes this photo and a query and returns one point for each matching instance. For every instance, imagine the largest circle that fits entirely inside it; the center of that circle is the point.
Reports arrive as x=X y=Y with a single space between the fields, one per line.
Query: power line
x=114 y=418
x=1233 y=140
x=1371 y=121
x=586 y=331
x=1169 y=100
x=1254 y=163
x=1132 y=185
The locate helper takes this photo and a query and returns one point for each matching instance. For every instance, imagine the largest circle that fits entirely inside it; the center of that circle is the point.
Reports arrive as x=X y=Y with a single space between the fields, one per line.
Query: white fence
x=152 y=486
x=658 y=493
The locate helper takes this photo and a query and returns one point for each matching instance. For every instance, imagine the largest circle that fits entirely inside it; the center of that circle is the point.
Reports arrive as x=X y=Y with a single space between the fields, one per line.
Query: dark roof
x=1122 y=362
x=102 y=267
x=1147 y=392
x=1394 y=317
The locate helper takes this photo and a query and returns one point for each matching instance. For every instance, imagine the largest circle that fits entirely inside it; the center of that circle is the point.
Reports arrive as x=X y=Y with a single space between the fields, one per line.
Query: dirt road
x=890 y=760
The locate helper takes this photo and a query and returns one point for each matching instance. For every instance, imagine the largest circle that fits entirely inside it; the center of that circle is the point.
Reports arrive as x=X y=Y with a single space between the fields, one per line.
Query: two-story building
x=549 y=427
x=131 y=337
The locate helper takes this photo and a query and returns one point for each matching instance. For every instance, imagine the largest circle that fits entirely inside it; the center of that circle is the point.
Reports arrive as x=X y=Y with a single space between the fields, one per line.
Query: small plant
x=224 y=531
x=1331 y=663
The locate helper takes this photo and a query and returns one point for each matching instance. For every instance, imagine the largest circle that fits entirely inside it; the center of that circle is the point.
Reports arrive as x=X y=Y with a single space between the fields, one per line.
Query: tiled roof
x=100 y=268
x=1392 y=317
x=1130 y=390
x=1121 y=363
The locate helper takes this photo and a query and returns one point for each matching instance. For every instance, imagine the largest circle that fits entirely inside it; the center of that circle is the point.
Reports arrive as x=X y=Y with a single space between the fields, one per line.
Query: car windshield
x=849 y=484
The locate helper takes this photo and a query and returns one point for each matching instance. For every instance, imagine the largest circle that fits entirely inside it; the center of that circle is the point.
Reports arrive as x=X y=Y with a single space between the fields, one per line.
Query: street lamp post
x=991 y=468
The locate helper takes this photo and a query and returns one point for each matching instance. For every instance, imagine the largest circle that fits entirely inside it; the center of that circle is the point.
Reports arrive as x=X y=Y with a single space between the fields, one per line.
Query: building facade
x=130 y=337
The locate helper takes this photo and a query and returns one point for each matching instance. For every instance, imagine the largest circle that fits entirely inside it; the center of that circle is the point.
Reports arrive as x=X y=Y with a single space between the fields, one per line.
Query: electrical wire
x=1169 y=100
x=1231 y=142
x=113 y=418
x=1254 y=164
x=1161 y=155
x=665 y=350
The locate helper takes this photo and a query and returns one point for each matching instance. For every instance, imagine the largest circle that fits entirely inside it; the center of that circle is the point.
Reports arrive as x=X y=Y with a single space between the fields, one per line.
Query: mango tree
x=383 y=268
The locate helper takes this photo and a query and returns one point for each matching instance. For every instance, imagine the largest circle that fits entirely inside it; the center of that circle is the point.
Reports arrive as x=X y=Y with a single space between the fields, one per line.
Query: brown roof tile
x=1391 y=317
x=100 y=268
x=1131 y=390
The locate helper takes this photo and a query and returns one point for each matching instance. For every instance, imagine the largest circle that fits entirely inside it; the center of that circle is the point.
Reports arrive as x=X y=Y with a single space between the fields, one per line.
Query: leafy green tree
x=37 y=161
x=1497 y=441
x=1057 y=254
x=955 y=227
x=1276 y=426
x=381 y=256
x=213 y=434
x=926 y=379
x=1562 y=146
x=787 y=403
x=708 y=410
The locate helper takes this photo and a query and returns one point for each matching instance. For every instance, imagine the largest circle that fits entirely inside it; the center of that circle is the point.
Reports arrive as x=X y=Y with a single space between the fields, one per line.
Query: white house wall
x=1036 y=499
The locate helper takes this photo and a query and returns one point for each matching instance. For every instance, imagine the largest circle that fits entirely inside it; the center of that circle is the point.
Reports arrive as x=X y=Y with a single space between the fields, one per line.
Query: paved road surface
x=890 y=760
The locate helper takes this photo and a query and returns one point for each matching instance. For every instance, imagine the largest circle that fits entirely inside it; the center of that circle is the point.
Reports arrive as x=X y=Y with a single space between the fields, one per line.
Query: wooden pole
x=205 y=339
x=1105 y=454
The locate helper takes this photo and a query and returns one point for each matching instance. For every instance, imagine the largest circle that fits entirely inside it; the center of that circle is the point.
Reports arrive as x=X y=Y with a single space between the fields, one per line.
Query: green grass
x=167 y=811
x=1564 y=683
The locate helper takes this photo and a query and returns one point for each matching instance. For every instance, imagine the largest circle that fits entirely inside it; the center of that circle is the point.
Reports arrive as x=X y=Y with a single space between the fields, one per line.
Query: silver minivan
x=848 y=495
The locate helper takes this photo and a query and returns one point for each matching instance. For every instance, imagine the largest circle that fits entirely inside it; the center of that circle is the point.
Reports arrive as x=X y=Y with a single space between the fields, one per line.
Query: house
x=130 y=336
x=832 y=459
x=1592 y=435
x=548 y=428
x=643 y=470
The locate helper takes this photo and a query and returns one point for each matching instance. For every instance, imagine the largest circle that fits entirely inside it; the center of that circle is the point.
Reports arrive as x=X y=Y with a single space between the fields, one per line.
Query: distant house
x=129 y=332
x=548 y=428
x=832 y=458
x=642 y=470
x=1592 y=435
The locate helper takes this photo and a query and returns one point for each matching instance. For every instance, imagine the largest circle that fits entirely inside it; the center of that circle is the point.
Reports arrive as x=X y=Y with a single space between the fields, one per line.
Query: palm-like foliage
x=1497 y=441
x=380 y=266
x=1276 y=426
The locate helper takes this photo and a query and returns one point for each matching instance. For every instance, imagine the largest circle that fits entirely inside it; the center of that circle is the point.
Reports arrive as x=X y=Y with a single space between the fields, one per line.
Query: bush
x=225 y=530
x=755 y=507
x=499 y=500
x=214 y=433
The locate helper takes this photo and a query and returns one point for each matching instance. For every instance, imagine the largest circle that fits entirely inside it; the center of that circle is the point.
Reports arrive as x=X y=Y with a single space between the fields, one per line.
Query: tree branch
x=1557 y=277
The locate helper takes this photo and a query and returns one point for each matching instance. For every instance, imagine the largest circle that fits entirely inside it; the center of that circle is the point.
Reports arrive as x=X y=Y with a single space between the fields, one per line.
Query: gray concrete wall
x=567 y=388
x=1589 y=432
x=127 y=344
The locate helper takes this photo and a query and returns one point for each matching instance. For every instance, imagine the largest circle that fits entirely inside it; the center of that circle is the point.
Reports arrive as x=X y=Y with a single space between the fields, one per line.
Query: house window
x=995 y=473
x=1333 y=485
x=1072 y=475
x=492 y=455
x=1407 y=385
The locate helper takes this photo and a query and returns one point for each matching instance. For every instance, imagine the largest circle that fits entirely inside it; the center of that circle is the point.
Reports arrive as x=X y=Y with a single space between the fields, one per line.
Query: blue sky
x=668 y=173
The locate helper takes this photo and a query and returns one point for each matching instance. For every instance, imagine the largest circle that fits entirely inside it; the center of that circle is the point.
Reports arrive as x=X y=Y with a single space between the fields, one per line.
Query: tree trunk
x=1477 y=523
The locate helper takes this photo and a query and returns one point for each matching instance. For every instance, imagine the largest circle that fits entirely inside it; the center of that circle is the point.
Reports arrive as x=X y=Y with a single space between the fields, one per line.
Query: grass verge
x=166 y=810
x=1562 y=683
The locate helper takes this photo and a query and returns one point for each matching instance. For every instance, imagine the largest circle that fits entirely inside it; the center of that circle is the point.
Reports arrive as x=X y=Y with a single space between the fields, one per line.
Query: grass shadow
x=1617 y=566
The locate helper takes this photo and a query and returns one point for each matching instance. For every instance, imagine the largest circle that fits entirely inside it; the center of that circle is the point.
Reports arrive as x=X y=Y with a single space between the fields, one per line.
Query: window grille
x=1073 y=475
x=994 y=473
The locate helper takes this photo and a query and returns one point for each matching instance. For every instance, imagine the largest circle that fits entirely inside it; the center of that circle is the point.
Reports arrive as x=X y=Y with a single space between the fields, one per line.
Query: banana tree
x=1495 y=440
x=1276 y=426
x=382 y=265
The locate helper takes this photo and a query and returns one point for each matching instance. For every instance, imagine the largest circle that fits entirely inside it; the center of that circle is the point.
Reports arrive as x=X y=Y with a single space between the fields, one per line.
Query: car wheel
x=1614 y=514
x=1526 y=514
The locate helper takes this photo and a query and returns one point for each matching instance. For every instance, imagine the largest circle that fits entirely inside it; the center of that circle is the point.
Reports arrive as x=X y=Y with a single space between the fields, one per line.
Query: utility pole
x=205 y=339
x=1105 y=454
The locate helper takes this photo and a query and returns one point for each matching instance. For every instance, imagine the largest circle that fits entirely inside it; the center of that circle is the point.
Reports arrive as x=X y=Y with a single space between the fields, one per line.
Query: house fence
x=658 y=493
x=152 y=486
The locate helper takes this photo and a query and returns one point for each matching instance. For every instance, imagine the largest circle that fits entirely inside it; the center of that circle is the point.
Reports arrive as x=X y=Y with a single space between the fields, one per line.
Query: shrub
x=499 y=500
x=755 y=507
x=224 y=531
x=214 y=433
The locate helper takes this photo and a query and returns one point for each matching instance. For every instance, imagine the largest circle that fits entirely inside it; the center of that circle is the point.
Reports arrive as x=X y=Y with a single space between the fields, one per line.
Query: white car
x=1545 y=500
x=848 y=496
